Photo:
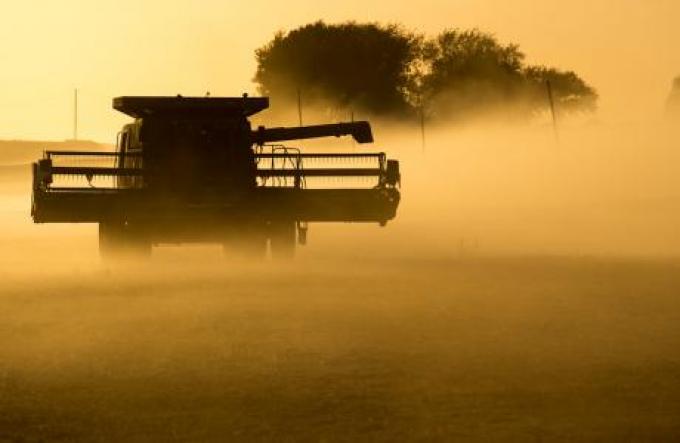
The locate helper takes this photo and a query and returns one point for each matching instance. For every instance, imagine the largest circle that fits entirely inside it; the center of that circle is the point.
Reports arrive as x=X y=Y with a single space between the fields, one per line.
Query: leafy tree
x=347 y=65
x=471 y=71
x=570 y=91
x=385 y=70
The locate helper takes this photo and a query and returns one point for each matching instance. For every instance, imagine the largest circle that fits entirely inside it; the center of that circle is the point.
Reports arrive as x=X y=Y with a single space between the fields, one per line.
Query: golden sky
x=628 y=49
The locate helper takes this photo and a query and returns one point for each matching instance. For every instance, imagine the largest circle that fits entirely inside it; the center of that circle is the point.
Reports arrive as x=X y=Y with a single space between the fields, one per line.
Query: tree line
x=386 y=70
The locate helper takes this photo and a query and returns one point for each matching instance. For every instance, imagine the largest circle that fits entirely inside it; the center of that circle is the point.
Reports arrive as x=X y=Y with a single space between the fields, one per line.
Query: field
x=474 y=350
x=455 y=323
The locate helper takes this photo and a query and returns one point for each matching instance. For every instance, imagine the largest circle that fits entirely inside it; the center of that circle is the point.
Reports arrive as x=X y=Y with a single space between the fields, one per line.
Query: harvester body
x=193 y=170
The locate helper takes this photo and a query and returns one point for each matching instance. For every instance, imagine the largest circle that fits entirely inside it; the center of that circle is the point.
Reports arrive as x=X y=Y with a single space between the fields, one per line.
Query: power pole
x=299 y=97
x=351 y=117
x=552 y=109
x=75 y=114
x=422 y=127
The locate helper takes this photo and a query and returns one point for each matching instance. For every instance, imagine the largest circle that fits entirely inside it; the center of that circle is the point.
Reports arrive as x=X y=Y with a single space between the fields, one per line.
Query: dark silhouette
x=385 y=70
x=192 y=170
x=351 y=65
x=471 y=71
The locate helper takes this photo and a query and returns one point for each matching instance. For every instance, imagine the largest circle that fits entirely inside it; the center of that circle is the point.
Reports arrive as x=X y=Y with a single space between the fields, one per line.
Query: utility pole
x=351 y=117
x=552 y=110
x=422 y=126
x=299 y=100
x=299 y=97
x=75 y=114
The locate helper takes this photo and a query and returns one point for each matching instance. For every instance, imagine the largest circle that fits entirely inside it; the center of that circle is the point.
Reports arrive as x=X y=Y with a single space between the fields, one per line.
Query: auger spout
x=360 y=131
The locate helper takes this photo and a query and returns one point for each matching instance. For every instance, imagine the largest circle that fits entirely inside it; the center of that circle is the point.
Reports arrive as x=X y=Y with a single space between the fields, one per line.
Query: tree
x=470 y=71
x=346 y=65
x=570 y=91
x=384 y=70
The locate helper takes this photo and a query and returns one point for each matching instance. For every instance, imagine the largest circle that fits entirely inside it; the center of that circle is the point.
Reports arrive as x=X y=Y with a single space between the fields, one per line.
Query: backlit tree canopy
x=471 y=71
x=348 y=65
x=385 y=70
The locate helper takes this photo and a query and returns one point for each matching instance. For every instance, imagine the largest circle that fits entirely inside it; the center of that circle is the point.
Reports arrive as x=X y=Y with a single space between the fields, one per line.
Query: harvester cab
x=193 y=170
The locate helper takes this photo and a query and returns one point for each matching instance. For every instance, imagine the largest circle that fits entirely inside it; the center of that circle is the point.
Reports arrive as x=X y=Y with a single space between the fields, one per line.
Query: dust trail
x=450 y=323
x=343 y=350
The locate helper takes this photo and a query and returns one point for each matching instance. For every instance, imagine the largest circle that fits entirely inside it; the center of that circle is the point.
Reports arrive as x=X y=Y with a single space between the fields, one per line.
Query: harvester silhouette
x=192 y=169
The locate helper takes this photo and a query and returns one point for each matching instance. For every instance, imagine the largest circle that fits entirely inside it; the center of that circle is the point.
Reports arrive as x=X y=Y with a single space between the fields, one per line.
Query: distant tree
x=471 y=71
x=570 y=91
x=348 y=65
x=384 y=70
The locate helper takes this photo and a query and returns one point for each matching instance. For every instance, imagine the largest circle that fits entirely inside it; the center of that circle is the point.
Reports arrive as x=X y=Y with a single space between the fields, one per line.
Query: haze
x=526 y=291
x=627 y=49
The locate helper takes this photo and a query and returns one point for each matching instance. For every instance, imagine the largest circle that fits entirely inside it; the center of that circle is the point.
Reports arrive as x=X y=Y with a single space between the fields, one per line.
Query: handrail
x=320 y=172
x=49 y=154
x=321 y=155
x=303 y=155
x=95 y=171
x=284 y=166
x=307 y=172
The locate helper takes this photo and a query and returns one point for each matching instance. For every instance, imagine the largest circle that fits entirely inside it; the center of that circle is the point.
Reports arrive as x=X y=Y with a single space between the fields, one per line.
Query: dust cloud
x=601 y=189
x=526 y=291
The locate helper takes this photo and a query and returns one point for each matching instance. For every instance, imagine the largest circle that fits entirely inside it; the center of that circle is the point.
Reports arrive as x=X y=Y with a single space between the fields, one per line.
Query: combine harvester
x=192 y=170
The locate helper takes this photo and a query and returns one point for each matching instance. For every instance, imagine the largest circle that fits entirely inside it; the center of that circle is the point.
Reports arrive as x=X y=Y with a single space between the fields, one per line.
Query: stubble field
x=514 y=302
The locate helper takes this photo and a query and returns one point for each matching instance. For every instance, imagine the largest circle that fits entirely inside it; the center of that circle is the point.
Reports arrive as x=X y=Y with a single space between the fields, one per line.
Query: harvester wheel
x=282 y=240
x=119 y=241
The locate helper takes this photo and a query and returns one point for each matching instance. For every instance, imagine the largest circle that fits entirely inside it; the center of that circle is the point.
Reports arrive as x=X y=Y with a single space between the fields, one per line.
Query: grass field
x=493 y=309
x=533 y=349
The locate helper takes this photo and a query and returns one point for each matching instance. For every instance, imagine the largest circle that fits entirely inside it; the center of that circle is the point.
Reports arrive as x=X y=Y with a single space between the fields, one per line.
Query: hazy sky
x=628 y=49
